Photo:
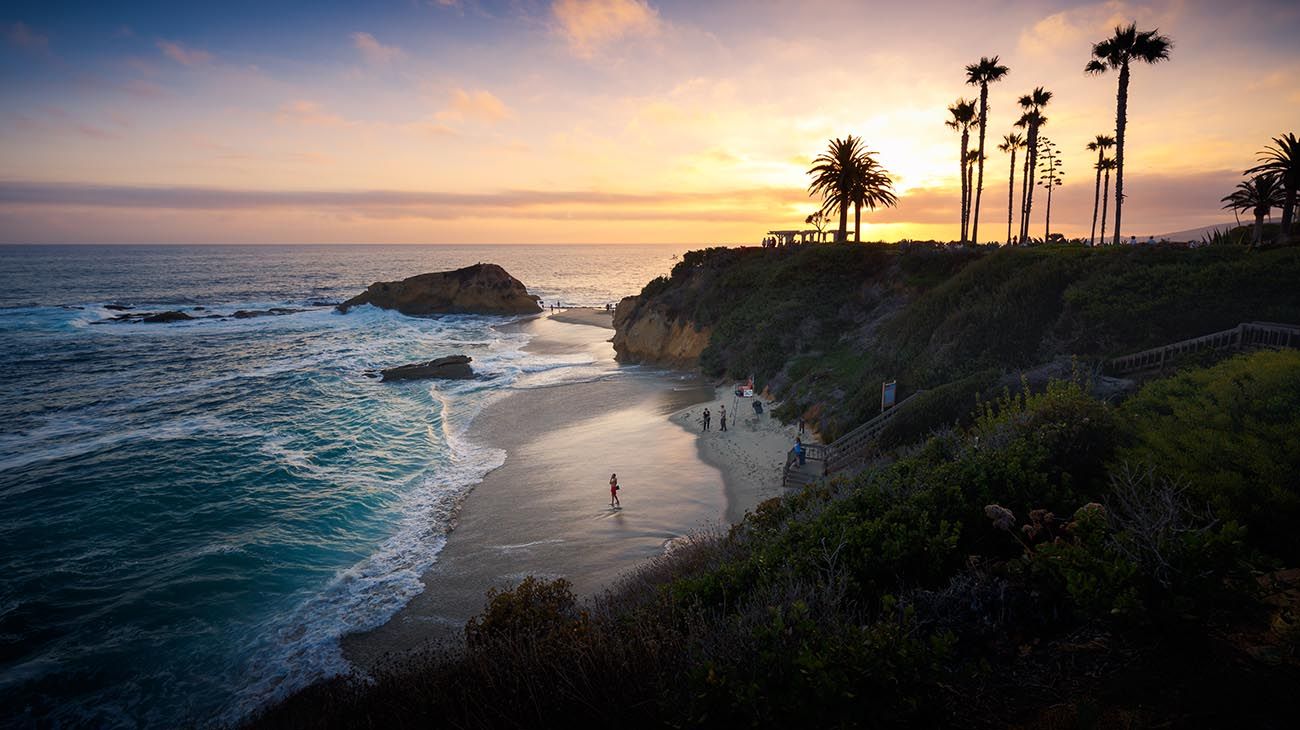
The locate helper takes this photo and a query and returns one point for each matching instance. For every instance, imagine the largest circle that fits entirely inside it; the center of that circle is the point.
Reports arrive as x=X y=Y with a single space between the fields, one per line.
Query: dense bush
x=1231 y=433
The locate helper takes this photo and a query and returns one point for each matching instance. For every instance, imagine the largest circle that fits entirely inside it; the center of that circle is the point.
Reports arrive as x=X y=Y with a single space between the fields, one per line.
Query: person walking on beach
x=706 y=419
x=613 y=492
x=722 y=418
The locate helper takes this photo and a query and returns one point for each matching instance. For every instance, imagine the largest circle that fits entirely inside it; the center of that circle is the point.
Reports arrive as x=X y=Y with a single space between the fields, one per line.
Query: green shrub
x=1232 y=433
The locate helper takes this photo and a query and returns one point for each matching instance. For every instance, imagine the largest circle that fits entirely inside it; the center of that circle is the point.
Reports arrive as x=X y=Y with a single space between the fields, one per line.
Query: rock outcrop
x=647 y=334
x=478 y=289
x=166 y=317
x=453 y=367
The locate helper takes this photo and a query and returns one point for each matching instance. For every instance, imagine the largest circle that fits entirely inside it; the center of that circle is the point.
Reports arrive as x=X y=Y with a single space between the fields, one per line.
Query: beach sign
x=888 y=394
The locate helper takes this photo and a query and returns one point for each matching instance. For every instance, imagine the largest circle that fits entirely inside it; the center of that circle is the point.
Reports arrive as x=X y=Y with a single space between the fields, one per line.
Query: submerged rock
x=478 y=289
x=272 y=312
x=166 y=317
x=452 y=367
x=118 y=307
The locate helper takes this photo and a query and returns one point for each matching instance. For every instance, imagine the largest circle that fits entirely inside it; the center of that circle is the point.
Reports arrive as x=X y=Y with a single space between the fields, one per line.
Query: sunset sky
x=524 y=121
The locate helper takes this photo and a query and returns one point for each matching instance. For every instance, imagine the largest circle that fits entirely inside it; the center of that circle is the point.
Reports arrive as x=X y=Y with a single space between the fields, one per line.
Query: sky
x=597 y=121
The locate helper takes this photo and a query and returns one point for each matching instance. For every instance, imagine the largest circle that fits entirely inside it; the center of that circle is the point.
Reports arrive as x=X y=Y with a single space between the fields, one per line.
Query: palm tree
x=1099 y=145
x=833 y=174
x=1116 y=53
x=1033 y=120
x=982 y=74
x=1105 y=164
x=872 y=187
x=1050 y=178
x=1258 y=195
x=1283 y=159
x=963 y=116
x=1011 y=143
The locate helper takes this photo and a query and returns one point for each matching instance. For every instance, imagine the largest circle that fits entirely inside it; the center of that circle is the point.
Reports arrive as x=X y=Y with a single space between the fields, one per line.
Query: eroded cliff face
x=645 y=333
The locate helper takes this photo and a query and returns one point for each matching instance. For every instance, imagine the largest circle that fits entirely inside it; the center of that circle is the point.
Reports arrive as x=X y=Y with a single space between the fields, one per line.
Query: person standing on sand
x=706 y=419
x=722 y=418
x=613 y=492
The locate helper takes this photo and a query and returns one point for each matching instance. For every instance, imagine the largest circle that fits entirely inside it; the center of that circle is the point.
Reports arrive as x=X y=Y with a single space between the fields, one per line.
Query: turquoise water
x=192 y=514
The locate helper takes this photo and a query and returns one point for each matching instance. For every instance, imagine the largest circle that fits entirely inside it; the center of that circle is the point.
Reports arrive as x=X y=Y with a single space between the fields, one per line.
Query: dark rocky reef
x=455 y=367
x=478 y=289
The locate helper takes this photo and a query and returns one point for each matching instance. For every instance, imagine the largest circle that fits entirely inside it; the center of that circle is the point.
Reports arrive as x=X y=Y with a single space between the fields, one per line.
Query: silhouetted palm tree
x=981 y=74
x=1106 y=164
x=872 y=187
x=1117 y=53
x=1258 y=195
x=833 y=174
x=1283 y=159
x=1011 y=143
x=1033 y=120
x=963 y=116
x=1099 y=145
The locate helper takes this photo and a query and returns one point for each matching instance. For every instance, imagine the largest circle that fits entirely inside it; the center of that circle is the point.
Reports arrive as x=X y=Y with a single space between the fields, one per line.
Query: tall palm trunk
x=979 y=185
x=1288 y=212
x=1259 y=225
x=965 y=188
x=1011 y=192
x=1024 y=196
x=1096 y=195
x=857 y=222
x=1105 y=198
x=843 y=234
x=1121 y=121
x=970 y=192
x=1029 y=195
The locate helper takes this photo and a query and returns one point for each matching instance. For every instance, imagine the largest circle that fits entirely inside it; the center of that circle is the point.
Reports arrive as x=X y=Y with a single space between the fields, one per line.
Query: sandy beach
x=596 y=317
x=546 y=512
x=749 y=454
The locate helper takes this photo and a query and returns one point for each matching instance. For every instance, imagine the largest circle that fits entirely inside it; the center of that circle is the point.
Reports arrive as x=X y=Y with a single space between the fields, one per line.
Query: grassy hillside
x=824 y=325
x=1062 y=562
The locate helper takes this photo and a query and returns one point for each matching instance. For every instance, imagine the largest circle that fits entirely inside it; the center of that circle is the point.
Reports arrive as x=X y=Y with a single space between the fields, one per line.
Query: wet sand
x=546 y=511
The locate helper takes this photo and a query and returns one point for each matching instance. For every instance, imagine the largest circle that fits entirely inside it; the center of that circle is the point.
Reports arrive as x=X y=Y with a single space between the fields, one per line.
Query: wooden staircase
x=824 y=459
x=1244 y=336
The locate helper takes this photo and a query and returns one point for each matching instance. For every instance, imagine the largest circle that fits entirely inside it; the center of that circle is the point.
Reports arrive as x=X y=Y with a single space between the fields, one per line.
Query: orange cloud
x=184 y=55
x=309 y=113
x=481 y=106
x=375 y=53
x=589 y=26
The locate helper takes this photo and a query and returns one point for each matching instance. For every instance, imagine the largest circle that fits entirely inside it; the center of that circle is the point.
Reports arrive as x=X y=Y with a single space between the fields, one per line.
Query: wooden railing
x=1244 y=335
x=847 y=448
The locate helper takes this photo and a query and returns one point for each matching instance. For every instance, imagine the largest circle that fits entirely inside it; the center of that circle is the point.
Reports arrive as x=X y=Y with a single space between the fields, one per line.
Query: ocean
x=193 y=513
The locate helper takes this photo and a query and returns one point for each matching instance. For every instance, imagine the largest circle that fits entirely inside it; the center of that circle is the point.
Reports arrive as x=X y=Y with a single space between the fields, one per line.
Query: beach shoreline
x=545 y=511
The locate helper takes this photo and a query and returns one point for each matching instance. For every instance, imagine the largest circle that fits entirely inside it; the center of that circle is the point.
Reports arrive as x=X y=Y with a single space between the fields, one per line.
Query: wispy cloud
x=20 y=35
x=375 y=53
x=543 y=204
x=590 y=26
x=309 y=113
x=183 y=54
x=483 y=106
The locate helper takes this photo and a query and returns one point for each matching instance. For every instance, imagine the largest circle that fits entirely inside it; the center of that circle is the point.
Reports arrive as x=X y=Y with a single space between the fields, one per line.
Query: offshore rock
x=453 y=367
x=478 y=289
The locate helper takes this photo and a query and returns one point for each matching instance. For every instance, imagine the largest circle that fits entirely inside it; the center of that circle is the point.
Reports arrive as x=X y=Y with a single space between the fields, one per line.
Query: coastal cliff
x=477 y=289
x=820 y=327
x=651 y=335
